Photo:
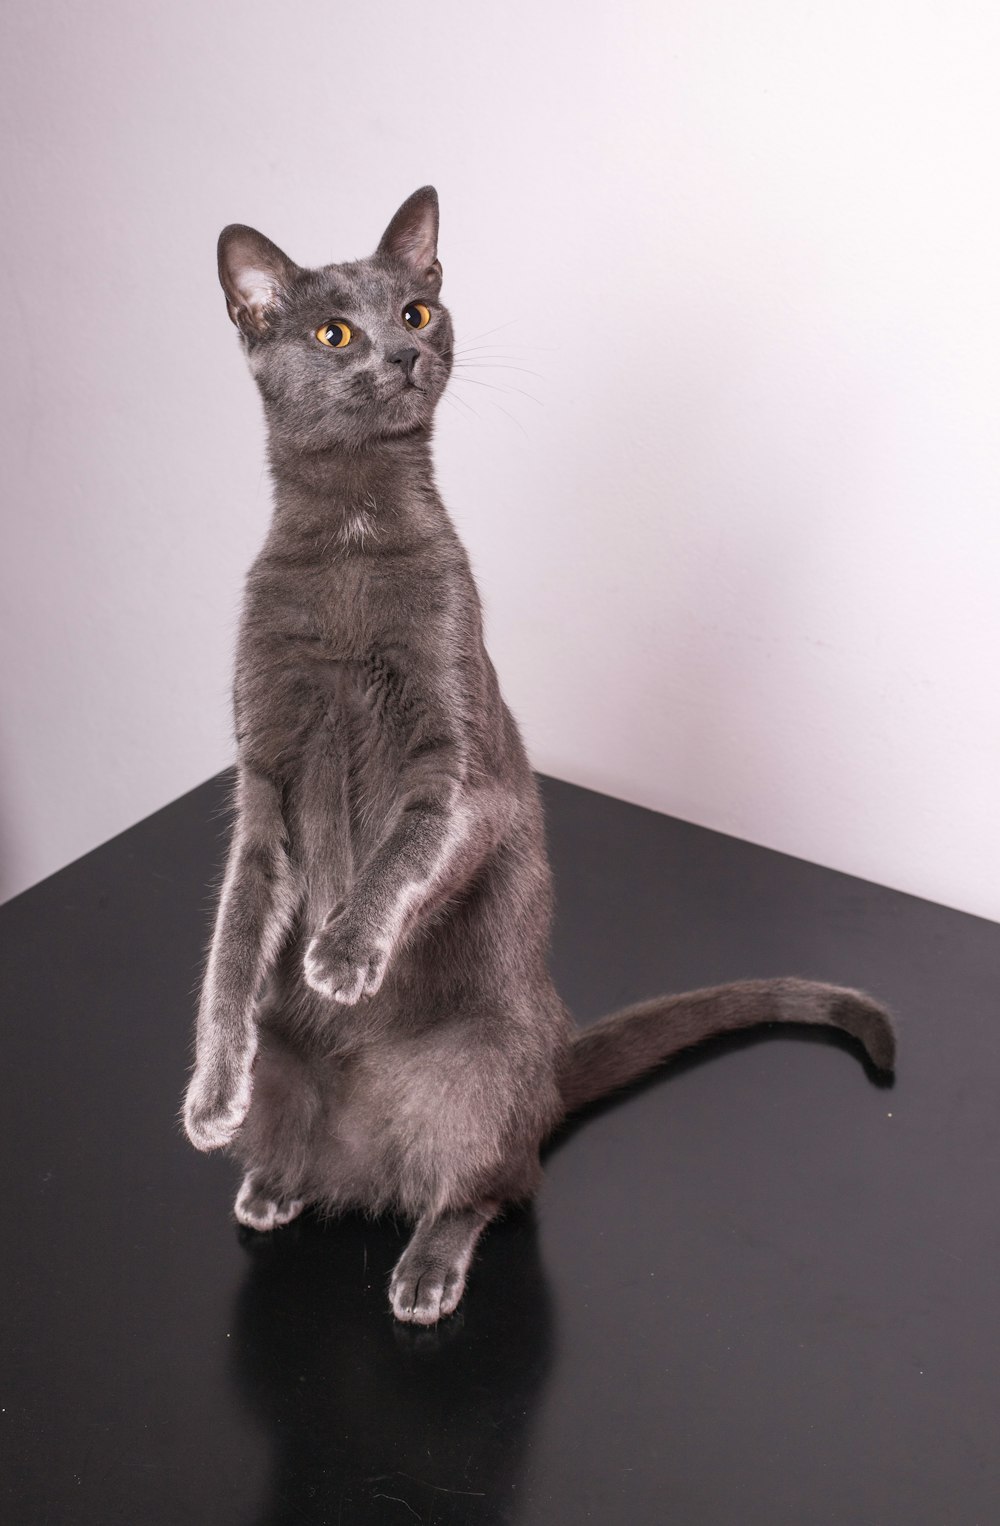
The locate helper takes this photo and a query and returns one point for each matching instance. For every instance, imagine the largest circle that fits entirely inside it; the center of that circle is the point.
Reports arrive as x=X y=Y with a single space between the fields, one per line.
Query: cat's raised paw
x=343 y=966
x=259 y=1208
x=214 y=1112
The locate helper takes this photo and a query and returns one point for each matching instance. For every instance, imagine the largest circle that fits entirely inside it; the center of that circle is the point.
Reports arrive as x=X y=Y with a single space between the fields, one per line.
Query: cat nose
x=406 y=359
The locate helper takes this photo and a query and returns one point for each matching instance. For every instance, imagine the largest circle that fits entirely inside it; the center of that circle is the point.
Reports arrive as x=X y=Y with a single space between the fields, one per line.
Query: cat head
x=345 y=355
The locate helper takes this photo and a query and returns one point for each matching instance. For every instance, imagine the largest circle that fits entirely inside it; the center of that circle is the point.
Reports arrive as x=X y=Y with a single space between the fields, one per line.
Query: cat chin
x=410 y=402
x=409 y=422
x=403 y=413
x=403 y=429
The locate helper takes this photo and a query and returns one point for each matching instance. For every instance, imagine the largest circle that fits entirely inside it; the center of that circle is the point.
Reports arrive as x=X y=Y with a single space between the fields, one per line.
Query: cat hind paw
x=258 y=1208
x=424 y=1290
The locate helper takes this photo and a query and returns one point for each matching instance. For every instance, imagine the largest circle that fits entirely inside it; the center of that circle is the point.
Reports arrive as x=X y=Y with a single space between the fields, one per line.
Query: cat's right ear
x=254 y=275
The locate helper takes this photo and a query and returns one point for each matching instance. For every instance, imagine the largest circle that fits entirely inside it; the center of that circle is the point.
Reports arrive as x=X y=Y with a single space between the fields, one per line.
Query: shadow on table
x=366 y=1416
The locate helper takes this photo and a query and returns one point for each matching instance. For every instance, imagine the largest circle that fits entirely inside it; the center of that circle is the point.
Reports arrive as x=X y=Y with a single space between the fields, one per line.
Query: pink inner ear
x=257 y=288
x=412 y=234
x=417 y=247
x=253 y=272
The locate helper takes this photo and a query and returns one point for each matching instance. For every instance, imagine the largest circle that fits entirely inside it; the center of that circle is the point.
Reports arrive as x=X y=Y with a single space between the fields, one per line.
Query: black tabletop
x=759 y=1288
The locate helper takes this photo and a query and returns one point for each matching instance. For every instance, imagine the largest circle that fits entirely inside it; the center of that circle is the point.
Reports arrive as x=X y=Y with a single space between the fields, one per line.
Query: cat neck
x=380 y=494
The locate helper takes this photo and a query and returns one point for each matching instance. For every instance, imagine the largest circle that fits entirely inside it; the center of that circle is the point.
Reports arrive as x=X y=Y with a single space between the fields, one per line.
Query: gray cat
x=377 y=1026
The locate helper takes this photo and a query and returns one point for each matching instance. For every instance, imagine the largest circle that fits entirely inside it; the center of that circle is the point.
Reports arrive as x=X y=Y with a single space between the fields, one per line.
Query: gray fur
x=377 y=1026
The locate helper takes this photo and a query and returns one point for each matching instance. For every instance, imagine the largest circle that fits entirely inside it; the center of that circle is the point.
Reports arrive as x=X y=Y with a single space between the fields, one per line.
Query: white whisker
x=487 y=332
x=495 y=387
x=493 y=365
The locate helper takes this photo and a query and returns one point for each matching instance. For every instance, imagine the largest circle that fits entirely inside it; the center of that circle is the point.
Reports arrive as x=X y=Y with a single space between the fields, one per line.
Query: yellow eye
x=335 y=335
x=417 y=315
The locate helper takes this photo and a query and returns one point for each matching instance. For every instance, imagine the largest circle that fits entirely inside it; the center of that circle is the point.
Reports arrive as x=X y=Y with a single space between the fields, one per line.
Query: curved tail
x=621 y=1048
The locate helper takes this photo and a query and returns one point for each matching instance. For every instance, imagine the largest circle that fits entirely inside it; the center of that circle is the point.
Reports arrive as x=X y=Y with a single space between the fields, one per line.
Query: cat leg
x=441 y=834
x=276 y=1142
x=429 y=1278
x=262 y=1207
x=259 y=898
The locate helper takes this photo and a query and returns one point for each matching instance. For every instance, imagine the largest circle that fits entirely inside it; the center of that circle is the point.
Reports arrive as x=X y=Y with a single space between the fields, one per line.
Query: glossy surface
x=758 y=1289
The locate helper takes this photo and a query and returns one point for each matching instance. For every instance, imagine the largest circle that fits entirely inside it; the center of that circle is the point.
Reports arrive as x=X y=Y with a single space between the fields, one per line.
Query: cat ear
x=254 y=275
x=413 y=233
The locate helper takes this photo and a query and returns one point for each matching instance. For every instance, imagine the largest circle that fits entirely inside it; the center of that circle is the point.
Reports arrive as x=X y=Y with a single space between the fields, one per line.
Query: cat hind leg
x=261 y=1207
x=275 y=1144
x=429 y=1278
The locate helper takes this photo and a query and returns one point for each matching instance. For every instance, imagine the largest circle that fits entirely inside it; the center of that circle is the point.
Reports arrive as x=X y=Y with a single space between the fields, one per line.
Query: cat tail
x=626 y=1045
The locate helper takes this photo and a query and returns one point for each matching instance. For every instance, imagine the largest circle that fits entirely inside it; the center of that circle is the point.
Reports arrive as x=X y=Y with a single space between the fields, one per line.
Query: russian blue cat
x=377 y=1026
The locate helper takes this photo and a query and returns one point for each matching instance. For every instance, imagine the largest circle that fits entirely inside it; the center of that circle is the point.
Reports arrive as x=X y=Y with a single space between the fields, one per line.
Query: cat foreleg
x=433 y=845
x=258 y=901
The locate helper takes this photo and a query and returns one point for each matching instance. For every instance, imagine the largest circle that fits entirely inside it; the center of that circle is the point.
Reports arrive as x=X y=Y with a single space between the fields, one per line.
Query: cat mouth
x=409 y=389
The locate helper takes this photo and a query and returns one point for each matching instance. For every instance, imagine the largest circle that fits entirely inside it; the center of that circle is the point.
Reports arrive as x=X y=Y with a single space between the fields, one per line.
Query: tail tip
x=871 y=1024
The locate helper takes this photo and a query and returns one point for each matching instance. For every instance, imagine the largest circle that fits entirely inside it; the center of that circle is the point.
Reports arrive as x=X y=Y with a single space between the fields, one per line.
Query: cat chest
x=299 y=701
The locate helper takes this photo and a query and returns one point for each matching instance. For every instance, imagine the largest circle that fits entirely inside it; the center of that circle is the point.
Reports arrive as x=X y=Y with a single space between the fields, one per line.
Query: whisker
x=451 y=397
x=498 y=365
x=510 y=349
x=487 y=332
x=470 y=357
x=473 y=382
x=510 y=416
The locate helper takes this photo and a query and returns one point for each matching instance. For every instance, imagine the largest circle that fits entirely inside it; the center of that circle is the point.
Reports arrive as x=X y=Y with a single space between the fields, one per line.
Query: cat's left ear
x=413 y=233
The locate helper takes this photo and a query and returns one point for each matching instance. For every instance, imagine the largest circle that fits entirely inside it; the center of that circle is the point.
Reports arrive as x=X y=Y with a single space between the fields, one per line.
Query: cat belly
x=436 y=1092
x=420 y=1126
x=412 y=1123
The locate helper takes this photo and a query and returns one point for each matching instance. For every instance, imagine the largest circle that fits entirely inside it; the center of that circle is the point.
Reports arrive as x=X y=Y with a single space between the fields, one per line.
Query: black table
x=760 y=1288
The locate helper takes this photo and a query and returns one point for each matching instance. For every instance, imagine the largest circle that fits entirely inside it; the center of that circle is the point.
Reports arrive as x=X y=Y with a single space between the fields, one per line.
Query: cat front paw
x=215 y=1107
x=343 y=963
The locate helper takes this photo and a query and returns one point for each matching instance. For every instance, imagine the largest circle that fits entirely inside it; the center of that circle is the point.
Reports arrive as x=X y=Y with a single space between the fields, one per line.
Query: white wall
x=739 y=547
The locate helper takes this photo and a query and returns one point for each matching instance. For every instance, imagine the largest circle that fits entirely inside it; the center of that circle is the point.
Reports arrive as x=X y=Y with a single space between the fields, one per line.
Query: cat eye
x=417 y=315
x=335 y=335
